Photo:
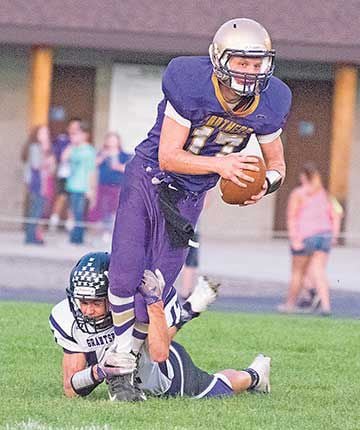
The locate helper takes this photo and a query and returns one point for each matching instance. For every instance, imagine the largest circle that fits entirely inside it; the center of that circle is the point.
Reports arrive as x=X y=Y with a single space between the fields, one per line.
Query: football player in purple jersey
x=211 y=106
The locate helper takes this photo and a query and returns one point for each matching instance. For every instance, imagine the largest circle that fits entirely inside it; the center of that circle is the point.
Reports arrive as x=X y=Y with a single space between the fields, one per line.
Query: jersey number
x=228 y=141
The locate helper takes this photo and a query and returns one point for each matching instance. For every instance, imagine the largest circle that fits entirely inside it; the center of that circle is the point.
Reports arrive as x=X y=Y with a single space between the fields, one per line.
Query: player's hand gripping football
x=232 y=167
x=152 y=286
x=255 y=199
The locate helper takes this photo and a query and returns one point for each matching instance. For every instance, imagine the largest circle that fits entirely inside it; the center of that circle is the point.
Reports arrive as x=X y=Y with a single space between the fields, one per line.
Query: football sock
x=139 y=335
x=123 y=314
x=254 y=377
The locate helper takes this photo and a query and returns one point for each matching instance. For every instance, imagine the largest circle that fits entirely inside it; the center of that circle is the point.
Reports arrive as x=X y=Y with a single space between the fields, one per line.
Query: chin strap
x=274 y=181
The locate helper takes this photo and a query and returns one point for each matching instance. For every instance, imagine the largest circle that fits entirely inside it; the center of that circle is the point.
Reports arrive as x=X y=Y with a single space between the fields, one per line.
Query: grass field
x=315 y=376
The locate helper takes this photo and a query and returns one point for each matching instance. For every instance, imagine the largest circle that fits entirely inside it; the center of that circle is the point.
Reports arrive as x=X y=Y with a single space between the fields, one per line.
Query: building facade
x=103 y=62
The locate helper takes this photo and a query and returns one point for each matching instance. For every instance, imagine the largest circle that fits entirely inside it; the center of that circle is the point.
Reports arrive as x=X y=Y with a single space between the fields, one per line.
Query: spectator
x=111 y=162
x=39 y=172
x=61 y=142
x=82 y=179
x=310 y=299
x=313 y=226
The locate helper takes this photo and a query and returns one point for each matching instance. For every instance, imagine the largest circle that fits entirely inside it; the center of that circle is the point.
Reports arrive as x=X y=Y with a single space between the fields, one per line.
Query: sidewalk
x=269 y=261
x=253 y=261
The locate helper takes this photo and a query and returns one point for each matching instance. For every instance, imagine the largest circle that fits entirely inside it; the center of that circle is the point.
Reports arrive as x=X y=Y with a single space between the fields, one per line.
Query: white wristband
x=82 y=380
x=274 y=180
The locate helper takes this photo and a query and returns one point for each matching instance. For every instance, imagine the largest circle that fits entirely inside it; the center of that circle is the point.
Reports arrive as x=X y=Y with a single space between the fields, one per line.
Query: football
x=235 y=195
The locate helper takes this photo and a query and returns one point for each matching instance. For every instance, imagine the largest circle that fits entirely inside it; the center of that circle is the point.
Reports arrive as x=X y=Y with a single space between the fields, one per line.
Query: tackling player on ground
x=211 y=106
x=82 y=326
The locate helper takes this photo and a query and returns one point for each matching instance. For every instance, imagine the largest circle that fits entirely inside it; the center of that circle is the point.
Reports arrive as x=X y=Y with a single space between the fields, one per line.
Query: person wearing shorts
x=313 y=225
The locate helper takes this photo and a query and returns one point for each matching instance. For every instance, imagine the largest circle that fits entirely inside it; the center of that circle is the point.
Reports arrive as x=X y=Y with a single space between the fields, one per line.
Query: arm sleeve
x=172 y=308
x=171 y=113
x=277 y=104
x=268 y=138
x=172 y=87
x=62 y=337
x=282 y=107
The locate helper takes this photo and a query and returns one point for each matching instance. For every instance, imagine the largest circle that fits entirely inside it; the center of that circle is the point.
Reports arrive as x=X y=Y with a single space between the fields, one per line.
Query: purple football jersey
x=192 y=89
x=141 y=238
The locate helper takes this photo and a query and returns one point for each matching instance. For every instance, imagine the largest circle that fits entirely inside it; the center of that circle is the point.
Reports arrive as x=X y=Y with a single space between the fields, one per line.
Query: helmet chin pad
x=245 y=88
x=249 y=85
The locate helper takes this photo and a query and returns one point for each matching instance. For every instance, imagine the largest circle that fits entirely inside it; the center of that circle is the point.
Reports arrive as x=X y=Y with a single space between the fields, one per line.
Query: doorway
x=306 y=138
x=72 y=96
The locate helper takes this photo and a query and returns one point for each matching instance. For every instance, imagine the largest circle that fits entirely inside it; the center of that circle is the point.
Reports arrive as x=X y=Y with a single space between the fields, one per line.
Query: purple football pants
x=140 y=240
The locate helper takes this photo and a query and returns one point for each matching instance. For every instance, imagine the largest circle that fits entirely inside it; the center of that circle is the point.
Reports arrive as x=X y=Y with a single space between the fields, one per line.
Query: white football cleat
x=261 y=365
x=204 y=294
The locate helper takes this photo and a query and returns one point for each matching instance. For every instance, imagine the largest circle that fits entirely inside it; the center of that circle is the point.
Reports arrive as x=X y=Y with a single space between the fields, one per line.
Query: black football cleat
x=123 y=388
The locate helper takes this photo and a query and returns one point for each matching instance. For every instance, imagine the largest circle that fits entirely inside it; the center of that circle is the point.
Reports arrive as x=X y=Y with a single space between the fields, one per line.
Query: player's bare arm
x=71 y=364
x=158 y=335
x=151 y=288
x=294 y=205
x=274 y=156
x=173 y=158
x=273 y=153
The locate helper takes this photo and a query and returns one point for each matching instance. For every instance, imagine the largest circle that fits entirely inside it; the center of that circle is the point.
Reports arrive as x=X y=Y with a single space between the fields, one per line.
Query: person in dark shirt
x=61 y=142
x=111 y=162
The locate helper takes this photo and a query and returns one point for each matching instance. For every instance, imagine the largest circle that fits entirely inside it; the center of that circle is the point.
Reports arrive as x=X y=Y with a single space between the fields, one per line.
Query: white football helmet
x=242 y=37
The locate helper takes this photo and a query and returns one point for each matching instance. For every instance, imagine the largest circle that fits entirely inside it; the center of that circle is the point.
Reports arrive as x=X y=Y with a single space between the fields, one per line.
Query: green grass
x=315 y=376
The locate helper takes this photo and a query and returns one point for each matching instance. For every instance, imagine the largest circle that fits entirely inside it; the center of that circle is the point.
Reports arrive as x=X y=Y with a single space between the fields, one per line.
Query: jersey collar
x=226 y=107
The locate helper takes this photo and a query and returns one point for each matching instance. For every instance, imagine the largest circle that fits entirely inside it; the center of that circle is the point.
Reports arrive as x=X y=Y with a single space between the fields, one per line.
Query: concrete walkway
x=254 y=274
x=270 y=261
x=248 y=259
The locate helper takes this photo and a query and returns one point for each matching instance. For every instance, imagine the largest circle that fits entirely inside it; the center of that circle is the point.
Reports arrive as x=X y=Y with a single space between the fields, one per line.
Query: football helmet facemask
x=89 y=281
x=242 y=37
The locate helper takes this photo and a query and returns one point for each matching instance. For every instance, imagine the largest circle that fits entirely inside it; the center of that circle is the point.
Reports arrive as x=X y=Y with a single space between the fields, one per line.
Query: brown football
x=235 y=195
